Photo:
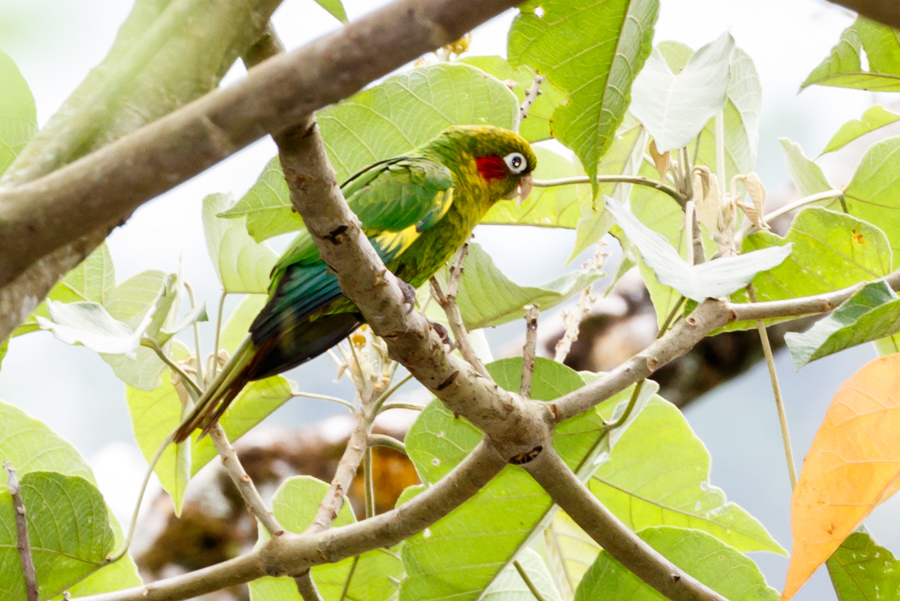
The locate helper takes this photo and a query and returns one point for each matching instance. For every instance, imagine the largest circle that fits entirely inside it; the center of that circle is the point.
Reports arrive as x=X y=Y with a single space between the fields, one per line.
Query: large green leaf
x=154 y=414
x=711 y=279
x=675 y=108
x=488 y=298
x=592 y=50
x=862 y=570
x=387 y=120
x=830 y=251
x=870 y=314
x=536 y=126
x=33 y=447
x=806 y=175
x=657 y=474
x=373 y=576
x=509 y=585
x=242 y=264
x=18 y=118
x=462 y=554
x=238 y=324
x=92 y=280
x=872 y=193
x=68 y=528
x=91 y=325
x=571 y=551
x=715 y=564
x=843 y=68
x=874 y=118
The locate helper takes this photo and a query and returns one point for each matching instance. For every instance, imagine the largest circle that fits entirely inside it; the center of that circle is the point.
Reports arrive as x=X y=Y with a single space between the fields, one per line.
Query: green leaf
x=862 y=570
x=4 y=348
x=408 y=110
x=870 y=314
x=196 y=314
x=462 y=554
x=888 y=346
x=711 y=279
x=92 y=280
x=18 y=117
x=675 y=108
x=871 y=194
x=373 y=579
x=33 y=447
x=154 y=414
x=593 y=51
x=843 y=68
x=68 y=528
x=536 y=126
x=874 y=118
x=509 y=585
x=741 y=120
x=488 y=298
x=830 y=251
x=571 y=551
x=238 y=324
x=387 y=120
x=658 y=475
x=91 y=325
x=241 y=264
x=130 y=302
x=806 y=175
x=715 y=564
x=335 y=8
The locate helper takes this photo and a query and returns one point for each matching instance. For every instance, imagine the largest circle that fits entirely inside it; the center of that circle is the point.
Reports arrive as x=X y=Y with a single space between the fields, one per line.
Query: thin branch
x=806 y=200
x=408 y=406
x=383 y=440
x=369 y=482
x=531 y=95
x=454 y=319
x=22 y=543
x=567 y=491
x=290 y=553
x=188 y=380
x=528 y=351
x=527 y=580
x=349 y=578
x=323 y=397
x=307 y=588
x=255 y=505
x=384 y=396
x=614 y=179
x=776 y=389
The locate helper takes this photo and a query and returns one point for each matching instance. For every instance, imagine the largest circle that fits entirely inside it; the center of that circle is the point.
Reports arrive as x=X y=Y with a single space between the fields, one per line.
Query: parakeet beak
x=522 y=190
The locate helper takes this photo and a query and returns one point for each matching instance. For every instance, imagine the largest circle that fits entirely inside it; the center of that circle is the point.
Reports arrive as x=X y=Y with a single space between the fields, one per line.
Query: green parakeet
x=416 y=210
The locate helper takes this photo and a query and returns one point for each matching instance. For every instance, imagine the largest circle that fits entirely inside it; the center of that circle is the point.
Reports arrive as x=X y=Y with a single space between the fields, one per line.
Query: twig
x=188 y=380
x=454 y=317
x=528 y=351
x=572 y=319
x=323 y=397
x=408 y=406
x=369 y=481
x=196 y=327
x=567 y=491
x=215 y=353
x=806 y=200
x=383 y=440
x=22 y=543
x=307 y=588
x=628 y=408
x=255 y=505
x=527 y=580
x=530 y=96
x=384 y=396
x=776 y=390
x=614 y=179
x=349 y=578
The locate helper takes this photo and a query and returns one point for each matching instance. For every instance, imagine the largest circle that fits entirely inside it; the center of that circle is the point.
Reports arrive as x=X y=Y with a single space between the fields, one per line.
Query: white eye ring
x=516 y=162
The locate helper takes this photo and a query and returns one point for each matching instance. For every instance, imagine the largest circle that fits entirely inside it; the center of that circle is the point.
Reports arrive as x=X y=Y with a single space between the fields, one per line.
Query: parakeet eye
x=516 y=162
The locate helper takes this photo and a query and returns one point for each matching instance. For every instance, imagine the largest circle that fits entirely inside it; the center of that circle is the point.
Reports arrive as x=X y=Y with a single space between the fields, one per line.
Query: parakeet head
x=501 y=159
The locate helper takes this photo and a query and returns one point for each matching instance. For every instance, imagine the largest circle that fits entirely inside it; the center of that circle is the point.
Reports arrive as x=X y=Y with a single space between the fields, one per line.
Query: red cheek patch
x=491 y=167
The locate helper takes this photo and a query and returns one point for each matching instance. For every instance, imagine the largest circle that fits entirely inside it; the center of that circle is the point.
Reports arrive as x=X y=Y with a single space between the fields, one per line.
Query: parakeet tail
x=221 y=392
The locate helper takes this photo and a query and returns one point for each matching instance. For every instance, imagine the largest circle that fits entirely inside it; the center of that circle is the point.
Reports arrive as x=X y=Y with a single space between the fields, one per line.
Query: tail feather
x=221 y=392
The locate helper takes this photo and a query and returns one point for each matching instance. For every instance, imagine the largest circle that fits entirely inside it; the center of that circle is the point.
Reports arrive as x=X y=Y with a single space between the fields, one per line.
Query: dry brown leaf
x=660 y=160
x=853 y=465
x=706 y=197
x=757 y=193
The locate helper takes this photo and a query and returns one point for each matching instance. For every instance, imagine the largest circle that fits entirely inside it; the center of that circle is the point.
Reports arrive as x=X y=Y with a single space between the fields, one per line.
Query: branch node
x=447 y=381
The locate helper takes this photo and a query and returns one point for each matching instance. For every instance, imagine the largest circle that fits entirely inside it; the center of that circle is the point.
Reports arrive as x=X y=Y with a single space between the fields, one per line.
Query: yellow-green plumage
x=417 y=210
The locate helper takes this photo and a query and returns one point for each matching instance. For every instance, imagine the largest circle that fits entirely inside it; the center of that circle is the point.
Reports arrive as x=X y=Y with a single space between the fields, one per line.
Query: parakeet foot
x=409 y=295
x=443 y=333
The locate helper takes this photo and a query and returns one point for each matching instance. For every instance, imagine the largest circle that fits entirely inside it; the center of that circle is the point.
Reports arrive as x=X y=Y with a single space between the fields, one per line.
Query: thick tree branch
x=96 y=192
x=567 y=491
x=883 y=11
x=291 y=554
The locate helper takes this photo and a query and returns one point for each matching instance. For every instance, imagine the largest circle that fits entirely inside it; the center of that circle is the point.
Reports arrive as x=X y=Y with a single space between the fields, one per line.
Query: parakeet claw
x=443 y=333
x=409 y=295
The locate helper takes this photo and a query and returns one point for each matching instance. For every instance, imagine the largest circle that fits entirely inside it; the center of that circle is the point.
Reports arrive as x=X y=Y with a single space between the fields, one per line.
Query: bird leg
x=443 y=333
x=409 y=295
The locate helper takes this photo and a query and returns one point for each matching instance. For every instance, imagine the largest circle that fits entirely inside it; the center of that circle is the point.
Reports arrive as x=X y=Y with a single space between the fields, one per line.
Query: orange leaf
x=853 y=465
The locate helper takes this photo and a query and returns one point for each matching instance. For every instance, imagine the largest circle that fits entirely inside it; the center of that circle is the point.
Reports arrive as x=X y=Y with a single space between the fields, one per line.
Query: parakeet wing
x=395 y=200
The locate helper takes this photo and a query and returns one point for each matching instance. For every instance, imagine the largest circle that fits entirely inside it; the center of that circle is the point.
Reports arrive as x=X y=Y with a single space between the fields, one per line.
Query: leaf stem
x=349 y=578
x=189 y=381
x=379 y=402
x=323 y=397
x=806 y=200
x=383 y=440
x=196 y=328
x=614 y=179
x=215 y=363
x=776 y=389
x=525 y=578
x=369 y=479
